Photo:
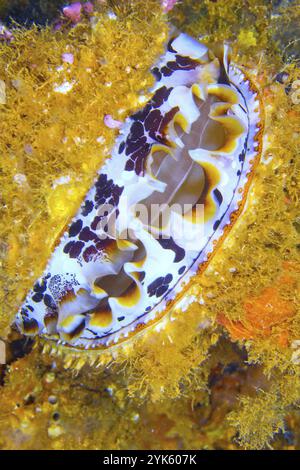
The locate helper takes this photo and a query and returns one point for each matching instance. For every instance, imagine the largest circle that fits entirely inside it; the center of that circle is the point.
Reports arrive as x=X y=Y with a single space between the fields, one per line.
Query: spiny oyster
x=117 y=268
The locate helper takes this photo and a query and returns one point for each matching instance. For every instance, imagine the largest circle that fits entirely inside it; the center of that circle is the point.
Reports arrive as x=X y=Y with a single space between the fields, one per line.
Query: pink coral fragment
x=73 y=12
x=167 y=5
x=88 y=7
x=68 y=58
x=5 y=33
x=112 y=123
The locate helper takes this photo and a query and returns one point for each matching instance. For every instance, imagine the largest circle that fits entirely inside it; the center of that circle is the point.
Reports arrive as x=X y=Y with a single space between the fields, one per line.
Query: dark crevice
x=16 y=347
x=27 y=12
